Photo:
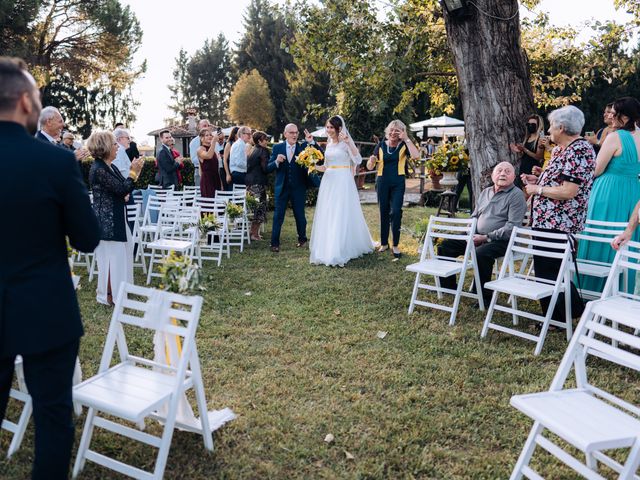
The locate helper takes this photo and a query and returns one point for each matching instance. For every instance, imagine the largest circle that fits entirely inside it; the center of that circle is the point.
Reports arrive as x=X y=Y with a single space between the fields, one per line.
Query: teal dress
x=614 y=195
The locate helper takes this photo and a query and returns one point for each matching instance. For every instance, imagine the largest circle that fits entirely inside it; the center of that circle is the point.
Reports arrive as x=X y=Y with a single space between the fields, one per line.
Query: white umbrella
x=321 y=133
x=444 y=121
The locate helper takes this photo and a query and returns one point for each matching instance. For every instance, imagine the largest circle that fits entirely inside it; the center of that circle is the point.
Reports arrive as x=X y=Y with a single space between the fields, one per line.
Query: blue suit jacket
x=290 y=175
x=42 y=201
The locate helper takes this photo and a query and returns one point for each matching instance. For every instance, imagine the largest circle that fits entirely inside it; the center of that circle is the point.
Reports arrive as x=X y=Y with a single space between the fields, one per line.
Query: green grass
x=299 y=359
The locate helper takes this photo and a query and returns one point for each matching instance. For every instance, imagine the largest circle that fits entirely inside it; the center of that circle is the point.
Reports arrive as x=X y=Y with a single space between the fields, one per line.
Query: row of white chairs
x=168 y=223
x=579 y=409
x=523 y=245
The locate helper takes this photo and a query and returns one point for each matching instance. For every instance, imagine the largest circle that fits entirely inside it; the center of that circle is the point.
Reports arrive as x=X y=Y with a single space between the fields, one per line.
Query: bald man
x=499 y=208
x=291 y=183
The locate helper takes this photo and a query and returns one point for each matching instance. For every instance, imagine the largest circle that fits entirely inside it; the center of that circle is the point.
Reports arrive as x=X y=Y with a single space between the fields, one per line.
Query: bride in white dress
x=339 y=232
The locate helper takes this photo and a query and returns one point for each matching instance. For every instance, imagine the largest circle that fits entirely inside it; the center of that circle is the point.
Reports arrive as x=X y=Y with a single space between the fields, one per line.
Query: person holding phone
x=531 y=150
x=208 y=160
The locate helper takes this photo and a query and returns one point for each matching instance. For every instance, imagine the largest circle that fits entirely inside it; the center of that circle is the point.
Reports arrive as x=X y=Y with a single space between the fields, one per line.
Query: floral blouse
x=576 y=164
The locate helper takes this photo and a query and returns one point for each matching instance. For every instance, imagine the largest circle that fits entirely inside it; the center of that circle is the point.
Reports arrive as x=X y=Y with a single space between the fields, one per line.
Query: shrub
x=148 y=173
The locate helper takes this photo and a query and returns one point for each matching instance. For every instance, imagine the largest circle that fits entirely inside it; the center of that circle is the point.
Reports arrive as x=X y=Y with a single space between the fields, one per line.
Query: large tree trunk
x=493 y=78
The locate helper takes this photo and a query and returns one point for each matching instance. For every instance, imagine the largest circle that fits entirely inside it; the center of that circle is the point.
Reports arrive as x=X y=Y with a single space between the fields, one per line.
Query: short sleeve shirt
x=576 y=164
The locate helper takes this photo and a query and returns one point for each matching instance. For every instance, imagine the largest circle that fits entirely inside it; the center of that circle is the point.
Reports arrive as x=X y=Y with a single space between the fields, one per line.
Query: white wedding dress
x=339 y=232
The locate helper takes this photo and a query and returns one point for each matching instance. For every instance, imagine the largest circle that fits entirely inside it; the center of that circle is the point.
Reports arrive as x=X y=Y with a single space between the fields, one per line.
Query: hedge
x=149 y=170
x=148 y=173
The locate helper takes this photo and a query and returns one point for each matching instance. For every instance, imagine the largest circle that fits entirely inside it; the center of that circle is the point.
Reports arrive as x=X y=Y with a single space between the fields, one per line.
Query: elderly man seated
x=499 y=208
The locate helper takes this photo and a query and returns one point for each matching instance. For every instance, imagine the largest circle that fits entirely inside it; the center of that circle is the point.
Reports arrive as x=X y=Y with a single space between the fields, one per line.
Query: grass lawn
x=299 y=358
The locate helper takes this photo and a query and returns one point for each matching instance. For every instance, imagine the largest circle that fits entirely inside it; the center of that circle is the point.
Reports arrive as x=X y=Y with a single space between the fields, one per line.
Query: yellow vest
x=402 y=160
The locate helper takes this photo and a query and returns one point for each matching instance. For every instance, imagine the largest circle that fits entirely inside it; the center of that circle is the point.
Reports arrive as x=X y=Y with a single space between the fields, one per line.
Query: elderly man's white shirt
x=122 y=161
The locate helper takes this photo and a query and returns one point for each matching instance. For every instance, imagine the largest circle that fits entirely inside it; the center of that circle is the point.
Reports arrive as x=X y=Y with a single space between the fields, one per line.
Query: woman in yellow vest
x=392 y=157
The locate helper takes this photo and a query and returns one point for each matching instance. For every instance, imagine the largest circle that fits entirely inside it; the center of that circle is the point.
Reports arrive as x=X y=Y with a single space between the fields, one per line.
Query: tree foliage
x=210 y=79
x=262 y=47
x=203 y=81
x=250 y=103
x=81 y=54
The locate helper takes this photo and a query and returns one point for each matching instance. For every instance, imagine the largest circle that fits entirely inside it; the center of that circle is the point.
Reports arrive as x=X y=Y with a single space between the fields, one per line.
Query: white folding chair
x=615 y=299
x=134 y=217
x=138 y=198
x=137 y=388
x=215 y=243
x=524 y=241
x=176 y=231
x=437 y=266
x=159 y=188
x=192 y=188
x=587 y=417
x=596 y=231
x=150 y=220
x=239 y=227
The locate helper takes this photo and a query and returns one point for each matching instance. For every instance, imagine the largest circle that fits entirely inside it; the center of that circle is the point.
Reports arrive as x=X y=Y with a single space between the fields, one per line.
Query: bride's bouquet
x=309 y=158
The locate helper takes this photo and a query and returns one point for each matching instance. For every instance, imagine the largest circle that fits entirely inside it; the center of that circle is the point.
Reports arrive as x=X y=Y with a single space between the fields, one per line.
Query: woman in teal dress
x=616 y=189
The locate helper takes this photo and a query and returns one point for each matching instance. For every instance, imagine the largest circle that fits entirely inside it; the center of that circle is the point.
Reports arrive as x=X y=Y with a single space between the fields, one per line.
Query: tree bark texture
x=493 y=77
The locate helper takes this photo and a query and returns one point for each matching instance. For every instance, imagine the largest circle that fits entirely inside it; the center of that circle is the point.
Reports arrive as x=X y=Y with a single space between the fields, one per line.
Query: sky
x=167 y=26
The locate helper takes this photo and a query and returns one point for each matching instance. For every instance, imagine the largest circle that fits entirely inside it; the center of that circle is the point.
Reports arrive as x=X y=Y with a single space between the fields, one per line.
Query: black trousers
x=486 y=255
x=548 y=268
x=390 y=192
x=223 y=178
x=49 y=380
x=464 y=179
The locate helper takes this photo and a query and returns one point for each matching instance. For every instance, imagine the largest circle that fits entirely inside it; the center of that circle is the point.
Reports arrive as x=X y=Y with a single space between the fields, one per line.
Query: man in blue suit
x=42 y=200
x=292 y=181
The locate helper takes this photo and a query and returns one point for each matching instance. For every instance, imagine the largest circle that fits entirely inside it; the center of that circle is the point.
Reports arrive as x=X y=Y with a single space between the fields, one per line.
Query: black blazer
x=40 y=136
x=167 y=168
x=109 y=189
x=42 y=199
x=257 y=166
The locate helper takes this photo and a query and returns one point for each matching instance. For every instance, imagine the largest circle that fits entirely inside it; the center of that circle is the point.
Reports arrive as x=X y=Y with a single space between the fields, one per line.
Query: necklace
x=394 y=149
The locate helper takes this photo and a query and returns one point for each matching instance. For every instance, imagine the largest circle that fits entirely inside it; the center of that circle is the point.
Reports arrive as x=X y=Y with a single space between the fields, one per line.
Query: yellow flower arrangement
x=448 y=158
x=309 y=158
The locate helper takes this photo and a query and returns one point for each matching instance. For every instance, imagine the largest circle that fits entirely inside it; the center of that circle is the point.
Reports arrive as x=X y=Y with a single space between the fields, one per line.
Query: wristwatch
x=540 y=190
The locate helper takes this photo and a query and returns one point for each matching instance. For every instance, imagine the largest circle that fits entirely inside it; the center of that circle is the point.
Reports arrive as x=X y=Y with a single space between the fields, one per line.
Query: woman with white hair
x=561 y=194
x=392 y=156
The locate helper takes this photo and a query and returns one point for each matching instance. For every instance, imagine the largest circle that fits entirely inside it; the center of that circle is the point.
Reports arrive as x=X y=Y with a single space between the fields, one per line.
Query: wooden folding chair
x=136 y=387
x=437 y=266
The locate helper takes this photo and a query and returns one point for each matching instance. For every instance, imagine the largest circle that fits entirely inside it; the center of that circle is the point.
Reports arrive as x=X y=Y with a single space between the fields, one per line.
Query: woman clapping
x=392 y=156
x=111 y=190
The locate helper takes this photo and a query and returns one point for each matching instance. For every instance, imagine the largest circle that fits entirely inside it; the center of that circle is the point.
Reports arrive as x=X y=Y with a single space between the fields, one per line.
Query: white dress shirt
x=238 y=156
x=194 y=145
x=122 y=161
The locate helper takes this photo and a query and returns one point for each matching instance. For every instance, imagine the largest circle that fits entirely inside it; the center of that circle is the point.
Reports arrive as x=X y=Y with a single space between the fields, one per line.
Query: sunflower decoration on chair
x=448 y=157
x=309 y=158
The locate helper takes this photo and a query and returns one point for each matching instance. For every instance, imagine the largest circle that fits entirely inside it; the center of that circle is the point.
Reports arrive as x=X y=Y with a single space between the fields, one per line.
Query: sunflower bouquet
x=309 y=158
x=234 y=211
x=449 y=157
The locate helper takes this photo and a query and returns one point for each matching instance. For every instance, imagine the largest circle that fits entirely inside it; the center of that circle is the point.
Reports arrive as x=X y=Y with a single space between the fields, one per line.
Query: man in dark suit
x=167 y=166
x=51 y=124
x=39 y=314
x=291 y=184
